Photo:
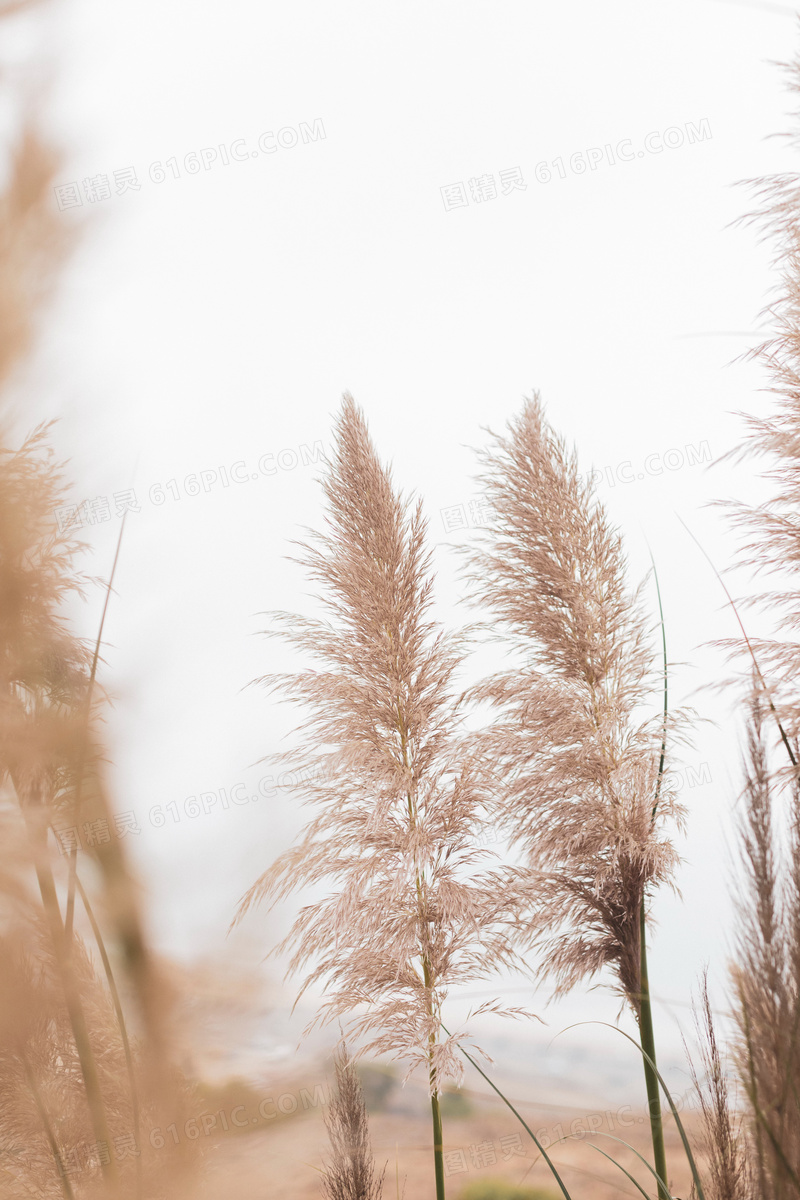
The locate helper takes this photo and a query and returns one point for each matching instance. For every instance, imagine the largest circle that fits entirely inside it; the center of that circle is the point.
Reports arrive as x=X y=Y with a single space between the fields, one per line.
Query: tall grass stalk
x=47 y=1125
x=766 y=972
x=415 y=904
x=645 y=1002
x=583 y=789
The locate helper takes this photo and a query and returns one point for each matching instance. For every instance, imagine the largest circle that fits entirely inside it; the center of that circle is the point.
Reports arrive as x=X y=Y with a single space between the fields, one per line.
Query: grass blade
x=635 y=1182
x=690 y=1157
x=519 y=1117
x=761 y=678
x=73 y=857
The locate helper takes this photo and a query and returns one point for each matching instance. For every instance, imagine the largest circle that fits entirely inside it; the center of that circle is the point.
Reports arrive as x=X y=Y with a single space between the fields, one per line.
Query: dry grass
x=350 y=1174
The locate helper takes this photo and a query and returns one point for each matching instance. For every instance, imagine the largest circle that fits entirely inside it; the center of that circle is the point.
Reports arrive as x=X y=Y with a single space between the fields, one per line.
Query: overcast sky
x=438 y=208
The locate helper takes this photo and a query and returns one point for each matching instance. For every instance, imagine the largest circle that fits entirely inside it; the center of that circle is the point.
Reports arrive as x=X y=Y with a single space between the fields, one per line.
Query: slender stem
x=645 y=1008
x=650 y=1076
x=436 y=1113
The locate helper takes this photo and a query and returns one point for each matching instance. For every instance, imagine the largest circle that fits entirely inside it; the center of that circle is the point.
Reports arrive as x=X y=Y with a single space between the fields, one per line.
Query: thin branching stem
x=762 y=680
x=73 y=857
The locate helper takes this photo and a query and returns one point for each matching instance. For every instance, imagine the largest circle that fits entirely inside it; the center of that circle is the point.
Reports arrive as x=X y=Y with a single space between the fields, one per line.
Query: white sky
x=217 y=318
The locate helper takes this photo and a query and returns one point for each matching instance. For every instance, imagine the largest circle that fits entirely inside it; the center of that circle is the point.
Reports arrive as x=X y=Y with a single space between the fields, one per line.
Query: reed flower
x=766 y=971
x=767 y=967
x=582 y=790
x=579 y=761
x=51 y=781
x=399 y=803
x=723 y=1139
x=769 y=530
x=351 y=1173
x=414 y=904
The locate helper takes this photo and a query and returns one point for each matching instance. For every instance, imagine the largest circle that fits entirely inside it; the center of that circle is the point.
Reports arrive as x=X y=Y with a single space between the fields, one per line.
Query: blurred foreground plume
x=81 y=1081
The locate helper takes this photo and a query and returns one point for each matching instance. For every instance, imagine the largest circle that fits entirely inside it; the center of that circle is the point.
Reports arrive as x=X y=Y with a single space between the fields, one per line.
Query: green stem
x=645 y=1011
x=650 y=1076
x=438 y=1149
x=436 y=1112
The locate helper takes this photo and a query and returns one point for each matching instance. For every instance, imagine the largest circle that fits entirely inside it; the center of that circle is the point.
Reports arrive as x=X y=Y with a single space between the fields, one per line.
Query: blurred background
x=438 y=209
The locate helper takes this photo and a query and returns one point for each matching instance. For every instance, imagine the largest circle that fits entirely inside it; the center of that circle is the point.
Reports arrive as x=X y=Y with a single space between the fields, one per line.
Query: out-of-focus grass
x=501 y=1189
x=456 y=1104
x=378 y=1082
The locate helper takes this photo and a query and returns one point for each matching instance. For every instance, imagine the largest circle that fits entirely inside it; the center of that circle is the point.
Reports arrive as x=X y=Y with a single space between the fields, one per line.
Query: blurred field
x=285 y=1155
x=264 y=1132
